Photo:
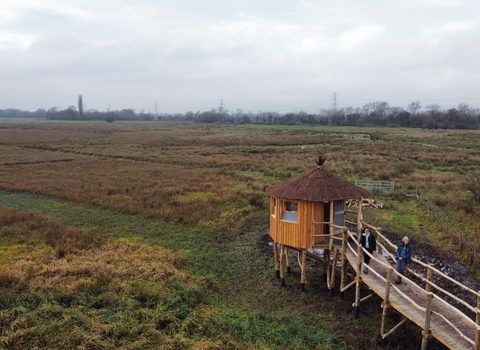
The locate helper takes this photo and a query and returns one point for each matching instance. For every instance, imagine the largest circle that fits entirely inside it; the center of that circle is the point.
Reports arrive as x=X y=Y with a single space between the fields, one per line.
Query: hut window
x=290 y=211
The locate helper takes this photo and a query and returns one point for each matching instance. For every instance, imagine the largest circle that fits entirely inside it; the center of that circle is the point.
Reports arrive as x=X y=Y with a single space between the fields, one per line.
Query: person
x=404 y=253
x=369 y=242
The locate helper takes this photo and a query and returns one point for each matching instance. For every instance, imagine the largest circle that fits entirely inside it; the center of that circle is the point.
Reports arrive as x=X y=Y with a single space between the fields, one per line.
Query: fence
x=377 y=187
x=456 y=234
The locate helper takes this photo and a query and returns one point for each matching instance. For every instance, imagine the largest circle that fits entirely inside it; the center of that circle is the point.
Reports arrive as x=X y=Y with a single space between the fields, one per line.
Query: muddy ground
x=446 y=263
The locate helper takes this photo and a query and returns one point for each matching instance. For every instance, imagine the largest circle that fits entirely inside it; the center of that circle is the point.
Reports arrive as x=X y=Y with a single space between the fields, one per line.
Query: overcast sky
x=276 y=55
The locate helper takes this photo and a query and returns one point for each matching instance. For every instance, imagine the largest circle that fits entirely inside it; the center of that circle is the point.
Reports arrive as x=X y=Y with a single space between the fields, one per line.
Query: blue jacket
x=408 y=252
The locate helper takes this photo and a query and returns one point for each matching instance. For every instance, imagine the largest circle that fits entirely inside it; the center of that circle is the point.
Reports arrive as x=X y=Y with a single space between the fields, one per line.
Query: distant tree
x=80 y=105
x=434 y=116
x=71 y=113
x=414 y=107
x=189 y=115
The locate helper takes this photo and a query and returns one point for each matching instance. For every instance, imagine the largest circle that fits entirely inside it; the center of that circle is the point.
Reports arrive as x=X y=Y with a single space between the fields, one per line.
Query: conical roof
x=316 y=186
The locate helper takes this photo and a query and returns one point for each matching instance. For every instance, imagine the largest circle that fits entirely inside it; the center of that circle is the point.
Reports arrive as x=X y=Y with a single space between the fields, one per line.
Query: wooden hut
x=305 y=212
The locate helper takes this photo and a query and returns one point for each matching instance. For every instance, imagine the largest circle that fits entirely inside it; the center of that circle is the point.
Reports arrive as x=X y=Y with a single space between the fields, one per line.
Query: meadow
x=141 y=235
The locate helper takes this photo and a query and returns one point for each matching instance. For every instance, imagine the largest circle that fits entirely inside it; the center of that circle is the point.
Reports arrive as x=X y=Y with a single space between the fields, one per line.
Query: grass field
x=153 y=235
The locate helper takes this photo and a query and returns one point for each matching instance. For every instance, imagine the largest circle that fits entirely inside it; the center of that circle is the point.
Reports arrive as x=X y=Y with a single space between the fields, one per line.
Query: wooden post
x=334 y=270
x=287 y=259
x=326 y=256
x=303 y=278
x=477 y=320
x=359 y=218
x=428 y=316
x=386 y=302
x=358 y=278
x=282 y=272
x=275 y=257
x=428 y=286
x=343 y=262
x=331 y=231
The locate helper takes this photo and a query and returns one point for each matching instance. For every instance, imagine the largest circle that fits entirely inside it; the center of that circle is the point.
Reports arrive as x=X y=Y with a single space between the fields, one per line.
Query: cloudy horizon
x=280 y=55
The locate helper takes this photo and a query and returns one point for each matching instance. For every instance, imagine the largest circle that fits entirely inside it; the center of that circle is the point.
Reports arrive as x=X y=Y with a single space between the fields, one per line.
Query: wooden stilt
x=344 y=265
x=334 y=270
x=303 y=279
x=287 y=259
x=386 y=302
x=282 y=268
x=325 y=264
x=326 y=255
x=275 y=258
x=358 y=280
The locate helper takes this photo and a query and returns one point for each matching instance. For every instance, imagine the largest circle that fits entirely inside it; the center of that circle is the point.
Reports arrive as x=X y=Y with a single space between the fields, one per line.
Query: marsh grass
x=118 y=293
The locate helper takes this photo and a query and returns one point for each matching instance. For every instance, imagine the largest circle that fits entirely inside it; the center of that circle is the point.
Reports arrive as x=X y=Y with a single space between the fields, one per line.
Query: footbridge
x=440 y=313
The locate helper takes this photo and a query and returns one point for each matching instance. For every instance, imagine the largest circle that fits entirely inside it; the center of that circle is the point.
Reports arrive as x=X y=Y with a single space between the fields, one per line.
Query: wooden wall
x=295 y=234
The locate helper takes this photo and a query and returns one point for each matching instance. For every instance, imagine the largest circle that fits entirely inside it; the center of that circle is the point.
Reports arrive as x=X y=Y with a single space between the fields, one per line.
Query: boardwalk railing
x=453 y=320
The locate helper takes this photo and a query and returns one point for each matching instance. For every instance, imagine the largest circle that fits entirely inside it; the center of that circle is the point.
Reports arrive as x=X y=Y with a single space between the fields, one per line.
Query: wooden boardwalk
x=410 y=300
x=424 y=305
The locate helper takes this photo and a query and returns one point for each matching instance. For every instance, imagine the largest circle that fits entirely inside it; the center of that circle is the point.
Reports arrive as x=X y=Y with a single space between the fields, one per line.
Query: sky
x=256 y=55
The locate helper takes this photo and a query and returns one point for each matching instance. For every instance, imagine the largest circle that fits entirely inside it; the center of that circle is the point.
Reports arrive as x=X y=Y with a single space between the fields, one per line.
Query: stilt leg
x=275 y=258
x=287 y=259
x=282 y=268
x=303 y=279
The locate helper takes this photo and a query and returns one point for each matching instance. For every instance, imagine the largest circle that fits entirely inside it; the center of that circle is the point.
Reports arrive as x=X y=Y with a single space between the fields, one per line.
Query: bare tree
x=465 y=110
x=80 y=105
x=414 y=107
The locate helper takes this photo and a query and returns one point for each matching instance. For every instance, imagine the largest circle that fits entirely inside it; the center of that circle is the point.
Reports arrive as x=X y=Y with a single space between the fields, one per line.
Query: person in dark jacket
x=404 y=253
x=368 y=241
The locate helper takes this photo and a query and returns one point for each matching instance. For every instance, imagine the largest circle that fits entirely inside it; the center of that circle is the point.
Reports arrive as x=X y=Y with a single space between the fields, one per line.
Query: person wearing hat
x=404 y=253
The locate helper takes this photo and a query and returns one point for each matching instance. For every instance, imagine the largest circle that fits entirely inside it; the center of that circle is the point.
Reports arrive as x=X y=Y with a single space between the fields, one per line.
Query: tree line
x=433 y=116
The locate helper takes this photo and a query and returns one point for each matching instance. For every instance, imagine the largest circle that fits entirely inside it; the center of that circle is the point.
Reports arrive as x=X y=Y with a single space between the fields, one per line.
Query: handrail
x=476 y=293
x=454 y=327
x=473 y=325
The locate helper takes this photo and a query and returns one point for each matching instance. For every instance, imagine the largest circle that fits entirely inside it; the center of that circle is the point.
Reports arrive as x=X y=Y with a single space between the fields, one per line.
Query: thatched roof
x=317 y=185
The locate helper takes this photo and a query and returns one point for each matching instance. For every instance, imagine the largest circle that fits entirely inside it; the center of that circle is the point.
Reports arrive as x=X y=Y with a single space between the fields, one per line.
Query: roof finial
x=320 y=160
